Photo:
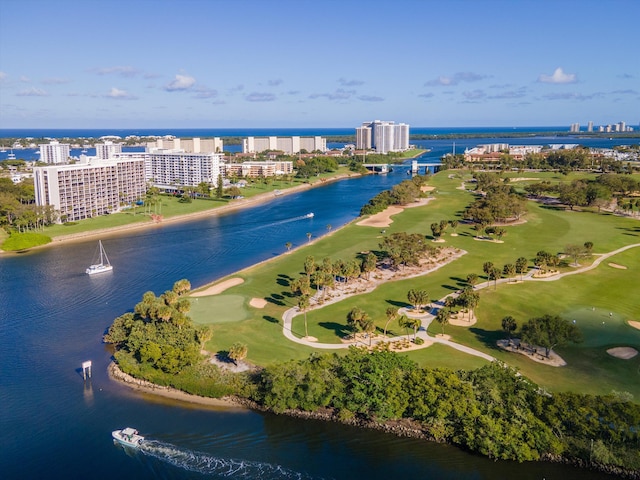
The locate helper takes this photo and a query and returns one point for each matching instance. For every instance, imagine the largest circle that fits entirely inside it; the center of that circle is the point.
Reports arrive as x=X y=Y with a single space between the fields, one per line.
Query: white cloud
x=32 y=92
x=3 y=76
x=558 y=77
x=458 y=77
x=55 y=81
x=339 y=94
x=204 y=92
x=118 y=94
x=275 y=83
x=260 y=97
x=572 y=96
x=370 y=98
x=181 y=82
x=349 y=83
x=426 y=95
x=123 y=70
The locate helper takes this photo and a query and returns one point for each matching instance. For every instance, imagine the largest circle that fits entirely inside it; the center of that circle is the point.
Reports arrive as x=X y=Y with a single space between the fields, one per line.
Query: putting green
x=218 y=309
x=602 y=327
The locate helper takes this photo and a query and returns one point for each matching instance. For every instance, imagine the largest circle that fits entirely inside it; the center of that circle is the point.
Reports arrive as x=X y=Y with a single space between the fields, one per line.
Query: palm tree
x=303 y=304
x=309 y=237
x=509 y=325
x=442 y=317
x=415 y=323
x=521 y=266
x=368 y=326
x=392 y=314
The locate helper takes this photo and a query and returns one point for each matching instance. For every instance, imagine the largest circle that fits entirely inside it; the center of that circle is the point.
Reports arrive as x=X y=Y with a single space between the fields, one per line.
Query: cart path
x=428 y=317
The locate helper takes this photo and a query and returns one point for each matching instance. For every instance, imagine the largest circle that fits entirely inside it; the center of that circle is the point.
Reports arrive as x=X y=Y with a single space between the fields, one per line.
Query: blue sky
x=323 y=63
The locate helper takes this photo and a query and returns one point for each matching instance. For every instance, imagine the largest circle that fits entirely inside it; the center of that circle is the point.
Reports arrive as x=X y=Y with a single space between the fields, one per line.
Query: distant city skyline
x=288 y=63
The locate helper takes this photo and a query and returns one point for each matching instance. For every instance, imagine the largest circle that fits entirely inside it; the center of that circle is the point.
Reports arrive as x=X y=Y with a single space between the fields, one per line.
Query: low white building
x=287 y=145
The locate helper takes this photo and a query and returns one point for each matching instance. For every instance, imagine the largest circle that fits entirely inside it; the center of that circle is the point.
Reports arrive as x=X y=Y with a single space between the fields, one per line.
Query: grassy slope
x=606 y=288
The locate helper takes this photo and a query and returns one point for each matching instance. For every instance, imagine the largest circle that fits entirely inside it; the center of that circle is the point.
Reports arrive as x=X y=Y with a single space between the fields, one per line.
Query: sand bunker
x=427 y=188
x=218 y=287
x=615 y=265
x=258 y=302
x=383 y=219
x=463 y=321
x=634 y=324
x=624 y=353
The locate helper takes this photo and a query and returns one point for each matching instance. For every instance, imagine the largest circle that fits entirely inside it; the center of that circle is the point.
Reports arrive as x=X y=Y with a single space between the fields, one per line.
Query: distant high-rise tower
x=384 y=136
x=590 y=127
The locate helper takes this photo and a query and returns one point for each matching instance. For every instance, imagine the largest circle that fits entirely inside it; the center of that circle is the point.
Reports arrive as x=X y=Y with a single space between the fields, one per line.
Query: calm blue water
x=52 y=317
x=245 y=132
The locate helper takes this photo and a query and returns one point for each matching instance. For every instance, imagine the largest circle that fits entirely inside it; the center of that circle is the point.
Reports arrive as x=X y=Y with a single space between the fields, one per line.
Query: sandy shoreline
x=235 y=205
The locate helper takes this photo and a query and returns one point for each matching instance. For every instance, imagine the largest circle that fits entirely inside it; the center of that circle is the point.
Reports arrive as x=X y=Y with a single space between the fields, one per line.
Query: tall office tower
x=107 y=150
x=54 y=152
x=590 y=127
x=622 y=127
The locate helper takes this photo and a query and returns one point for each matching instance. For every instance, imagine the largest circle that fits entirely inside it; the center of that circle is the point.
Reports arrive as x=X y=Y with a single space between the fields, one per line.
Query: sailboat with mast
x=103 y=264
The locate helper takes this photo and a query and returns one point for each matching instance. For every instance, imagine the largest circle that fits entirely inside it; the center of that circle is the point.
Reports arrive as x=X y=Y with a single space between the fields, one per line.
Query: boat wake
x=220 y=467
x=288 y=220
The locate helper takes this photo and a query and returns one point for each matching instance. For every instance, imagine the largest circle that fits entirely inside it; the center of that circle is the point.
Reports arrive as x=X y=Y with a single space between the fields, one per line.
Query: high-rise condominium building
x=85 y=190
x=383 y=136
x=55 y=152
x=172 y=169
x=288 y=145
x=188 y=145
x=590 y=127
x=107 y=150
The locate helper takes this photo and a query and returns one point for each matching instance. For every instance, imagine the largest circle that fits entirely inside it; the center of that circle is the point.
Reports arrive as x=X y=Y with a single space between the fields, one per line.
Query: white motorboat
x=103 y=264
x=309 y=215
x=128 y=437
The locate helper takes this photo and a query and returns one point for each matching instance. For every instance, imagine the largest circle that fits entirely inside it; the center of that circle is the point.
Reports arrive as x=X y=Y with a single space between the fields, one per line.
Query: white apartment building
x=55 y=152
x=95 y=187
x=288 y=145
x=172 y=169
x=363 y=138
x=188 y=145
x=383 y=136
x=256 y=169
x=107 y=150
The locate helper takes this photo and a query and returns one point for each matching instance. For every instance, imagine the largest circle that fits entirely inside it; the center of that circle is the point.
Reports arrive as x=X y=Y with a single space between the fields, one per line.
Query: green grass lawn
x=590 y=368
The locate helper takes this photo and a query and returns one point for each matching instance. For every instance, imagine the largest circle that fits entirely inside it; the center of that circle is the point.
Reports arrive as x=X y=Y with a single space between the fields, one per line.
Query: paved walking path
x=427 y=317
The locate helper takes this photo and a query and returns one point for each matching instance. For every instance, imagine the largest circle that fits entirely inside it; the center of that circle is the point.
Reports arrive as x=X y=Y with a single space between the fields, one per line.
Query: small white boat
x=103 y=264
x=309 y=215
x=277 y=192
x=128 y=437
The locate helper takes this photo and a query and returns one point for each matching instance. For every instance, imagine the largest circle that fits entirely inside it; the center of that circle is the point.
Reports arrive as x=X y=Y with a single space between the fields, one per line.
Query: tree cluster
x=310 y=167
x=158 y=332
x=492 y=410
x=18 y=210
x=499 y=203
x=401 y=194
